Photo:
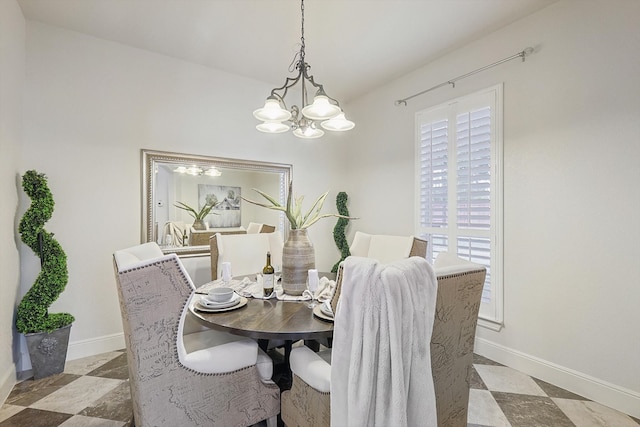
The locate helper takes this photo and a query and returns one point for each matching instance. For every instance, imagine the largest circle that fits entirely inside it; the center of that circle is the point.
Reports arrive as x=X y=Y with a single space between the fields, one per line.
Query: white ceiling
x=351 y=45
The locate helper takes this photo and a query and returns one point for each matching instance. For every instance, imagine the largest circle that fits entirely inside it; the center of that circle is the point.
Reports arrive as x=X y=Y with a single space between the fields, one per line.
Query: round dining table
x=269 y=319
x=272 y=320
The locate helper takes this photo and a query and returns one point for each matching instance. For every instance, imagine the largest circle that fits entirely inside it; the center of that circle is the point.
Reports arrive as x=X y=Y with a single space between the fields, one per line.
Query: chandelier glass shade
x=304 y=120
x=197 y=171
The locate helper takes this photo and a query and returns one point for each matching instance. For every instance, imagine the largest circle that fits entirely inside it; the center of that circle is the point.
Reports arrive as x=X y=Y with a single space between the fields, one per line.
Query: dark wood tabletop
x=270 y=320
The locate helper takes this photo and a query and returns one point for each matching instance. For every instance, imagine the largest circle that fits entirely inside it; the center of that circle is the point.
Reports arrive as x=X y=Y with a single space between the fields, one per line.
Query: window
x=459 y=189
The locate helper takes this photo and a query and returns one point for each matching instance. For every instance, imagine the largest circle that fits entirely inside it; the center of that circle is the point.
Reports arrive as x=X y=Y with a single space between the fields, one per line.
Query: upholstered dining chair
x=380 y=362
x=387 y=248
x=460 y=284
x=246 y=252
x=202 y=378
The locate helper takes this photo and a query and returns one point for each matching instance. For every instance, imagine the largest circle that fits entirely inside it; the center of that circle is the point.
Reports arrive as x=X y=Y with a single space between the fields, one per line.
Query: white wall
x=90 y=106
x=12 y=67
x=571 y=194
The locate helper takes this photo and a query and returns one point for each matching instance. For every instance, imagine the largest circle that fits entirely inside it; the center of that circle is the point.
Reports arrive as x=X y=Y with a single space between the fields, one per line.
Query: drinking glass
x=312 y=285
x=226 y=272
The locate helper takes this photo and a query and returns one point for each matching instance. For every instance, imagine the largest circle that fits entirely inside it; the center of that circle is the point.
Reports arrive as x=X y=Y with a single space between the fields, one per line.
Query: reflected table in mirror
x=201 y=237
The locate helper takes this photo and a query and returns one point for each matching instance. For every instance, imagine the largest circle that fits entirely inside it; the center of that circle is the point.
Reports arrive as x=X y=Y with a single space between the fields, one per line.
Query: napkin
x=253 y=289
x=284 y=297
x=324 y=292
x=237 y=285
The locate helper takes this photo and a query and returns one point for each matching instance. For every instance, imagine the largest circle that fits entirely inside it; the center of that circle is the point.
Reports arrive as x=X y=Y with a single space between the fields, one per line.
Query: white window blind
x=458 y=171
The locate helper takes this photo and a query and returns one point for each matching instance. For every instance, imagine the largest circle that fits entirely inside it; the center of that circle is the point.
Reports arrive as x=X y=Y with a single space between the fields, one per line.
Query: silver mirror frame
x=149 y=160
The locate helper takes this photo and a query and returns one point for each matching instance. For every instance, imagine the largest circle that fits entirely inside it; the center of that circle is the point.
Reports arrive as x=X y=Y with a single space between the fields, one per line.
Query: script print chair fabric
x=460 y=284
x=387 y=248
x=247 y=253
x=207 y=378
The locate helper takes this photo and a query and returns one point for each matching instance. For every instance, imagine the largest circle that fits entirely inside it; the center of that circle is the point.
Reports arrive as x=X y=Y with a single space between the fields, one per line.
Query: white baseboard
x=7 y=381
x=611 y=395
x=93 y=346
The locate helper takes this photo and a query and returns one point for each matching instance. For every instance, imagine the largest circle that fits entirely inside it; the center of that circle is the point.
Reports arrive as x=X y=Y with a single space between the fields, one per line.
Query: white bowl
x=220 y=294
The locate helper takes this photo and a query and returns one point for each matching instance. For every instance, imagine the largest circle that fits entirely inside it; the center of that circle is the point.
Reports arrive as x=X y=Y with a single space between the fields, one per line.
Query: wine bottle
x=267 y=277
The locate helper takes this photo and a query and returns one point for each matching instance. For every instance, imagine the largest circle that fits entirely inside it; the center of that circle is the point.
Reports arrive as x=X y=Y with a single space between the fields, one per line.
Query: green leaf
x=294 y=210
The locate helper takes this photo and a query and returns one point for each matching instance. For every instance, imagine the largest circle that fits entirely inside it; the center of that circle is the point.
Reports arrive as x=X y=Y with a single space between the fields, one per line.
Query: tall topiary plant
x=33 y=312
x=339 y=230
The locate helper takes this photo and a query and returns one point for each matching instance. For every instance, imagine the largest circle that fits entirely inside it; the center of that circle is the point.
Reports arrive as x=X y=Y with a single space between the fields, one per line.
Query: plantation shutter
x=456 y=163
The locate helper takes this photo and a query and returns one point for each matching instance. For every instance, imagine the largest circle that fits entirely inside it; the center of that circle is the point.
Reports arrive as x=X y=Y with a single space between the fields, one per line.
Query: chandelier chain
x=302 y=31
x=298 y=62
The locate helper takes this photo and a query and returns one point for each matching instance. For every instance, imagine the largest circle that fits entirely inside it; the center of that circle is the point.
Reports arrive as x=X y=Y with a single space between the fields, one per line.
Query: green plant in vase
x=43 y=330
x=298 y=255
x=293 y=209
x=199 y=215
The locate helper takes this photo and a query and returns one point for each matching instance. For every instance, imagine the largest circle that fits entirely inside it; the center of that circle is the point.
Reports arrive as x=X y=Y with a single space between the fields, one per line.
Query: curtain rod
x=527 y=51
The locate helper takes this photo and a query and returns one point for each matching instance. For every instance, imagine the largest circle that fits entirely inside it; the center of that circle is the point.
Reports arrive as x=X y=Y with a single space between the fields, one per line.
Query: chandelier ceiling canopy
x=275 y=116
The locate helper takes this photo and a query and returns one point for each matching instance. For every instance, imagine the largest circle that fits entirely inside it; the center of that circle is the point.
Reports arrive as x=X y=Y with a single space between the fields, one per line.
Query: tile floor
x=94 y=392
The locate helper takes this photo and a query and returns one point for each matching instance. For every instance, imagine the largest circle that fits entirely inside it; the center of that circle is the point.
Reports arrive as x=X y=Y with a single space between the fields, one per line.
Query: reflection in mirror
x=188 y=198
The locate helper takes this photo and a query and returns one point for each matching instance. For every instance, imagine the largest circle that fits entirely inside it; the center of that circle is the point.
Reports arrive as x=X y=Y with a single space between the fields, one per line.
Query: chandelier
x=303 y=120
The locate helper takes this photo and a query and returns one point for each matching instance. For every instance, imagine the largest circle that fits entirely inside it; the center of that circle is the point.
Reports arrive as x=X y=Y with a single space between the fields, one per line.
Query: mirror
x=170 y=179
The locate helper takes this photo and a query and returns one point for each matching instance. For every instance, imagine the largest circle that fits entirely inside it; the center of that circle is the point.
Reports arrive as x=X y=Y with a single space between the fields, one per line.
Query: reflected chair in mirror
x=173 y=232
x=178 y=378
x=387 y=248
x=266 y=228
x=460 y=285
x=247 y=253
x=256 y=227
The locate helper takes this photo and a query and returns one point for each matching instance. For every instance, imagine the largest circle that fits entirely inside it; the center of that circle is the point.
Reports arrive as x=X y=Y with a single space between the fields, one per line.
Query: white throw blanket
x=381 y=359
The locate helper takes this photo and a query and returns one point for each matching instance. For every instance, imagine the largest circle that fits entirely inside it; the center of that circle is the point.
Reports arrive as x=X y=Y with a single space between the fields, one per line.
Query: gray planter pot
x=48 y=351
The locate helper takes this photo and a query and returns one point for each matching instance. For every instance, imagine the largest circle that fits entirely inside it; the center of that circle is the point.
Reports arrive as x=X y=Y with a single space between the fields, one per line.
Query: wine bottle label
x=267 y=285
x=267 y=281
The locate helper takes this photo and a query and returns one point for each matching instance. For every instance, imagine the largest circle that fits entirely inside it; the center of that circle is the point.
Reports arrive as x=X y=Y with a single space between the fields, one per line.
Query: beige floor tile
x=8 y=410
x=507 y=380
x=592 y=414
x=484 y=410
x=77 y=395
x=82 y=421
x=88 y=364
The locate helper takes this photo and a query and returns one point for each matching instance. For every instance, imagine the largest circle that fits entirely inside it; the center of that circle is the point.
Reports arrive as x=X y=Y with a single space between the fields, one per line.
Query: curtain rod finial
x=401 y=102
x=526 y=52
